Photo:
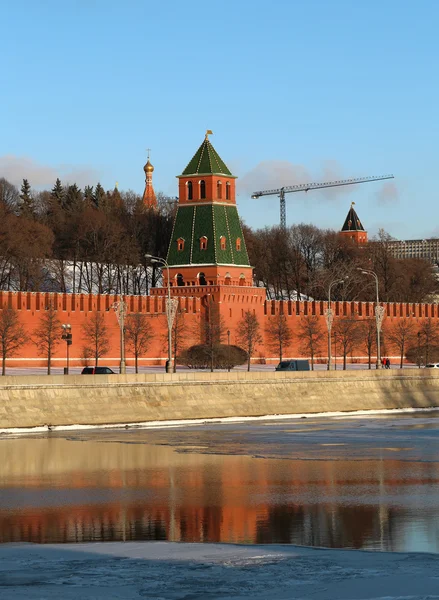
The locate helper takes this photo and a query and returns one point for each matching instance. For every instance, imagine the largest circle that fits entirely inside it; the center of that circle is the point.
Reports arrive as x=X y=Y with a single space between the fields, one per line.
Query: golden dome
x=148 y=168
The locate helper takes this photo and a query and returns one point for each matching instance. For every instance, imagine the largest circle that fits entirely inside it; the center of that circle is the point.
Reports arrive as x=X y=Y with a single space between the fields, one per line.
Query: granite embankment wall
x=94 y=400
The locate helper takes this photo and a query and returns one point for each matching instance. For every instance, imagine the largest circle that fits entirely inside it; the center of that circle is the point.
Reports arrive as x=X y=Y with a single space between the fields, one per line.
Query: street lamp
x=329 y=317
x=228 y=350
x=67 y=336
x=120 y=308
x=171 y=308
x=379 y=312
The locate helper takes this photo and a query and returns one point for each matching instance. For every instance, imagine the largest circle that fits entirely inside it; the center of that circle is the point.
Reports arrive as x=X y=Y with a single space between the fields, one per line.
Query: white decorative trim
x=210 y=265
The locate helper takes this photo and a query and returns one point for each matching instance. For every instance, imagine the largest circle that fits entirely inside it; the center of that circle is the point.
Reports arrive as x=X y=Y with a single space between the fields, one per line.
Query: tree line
x=301 y=263
x=94 y=241
x=72 y=240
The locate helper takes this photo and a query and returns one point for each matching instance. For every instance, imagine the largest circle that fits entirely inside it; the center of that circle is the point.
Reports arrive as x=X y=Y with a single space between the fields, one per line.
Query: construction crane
x=305 y=187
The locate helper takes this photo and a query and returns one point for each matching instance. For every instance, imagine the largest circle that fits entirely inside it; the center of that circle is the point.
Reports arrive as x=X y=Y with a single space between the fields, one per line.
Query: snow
x=179 y=571
x=186 y=422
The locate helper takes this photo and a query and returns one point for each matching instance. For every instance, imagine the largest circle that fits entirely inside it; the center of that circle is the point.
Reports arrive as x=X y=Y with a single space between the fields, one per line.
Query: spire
x=149 y=198
x=352 y=222
x=353 y=227
x=206 y=161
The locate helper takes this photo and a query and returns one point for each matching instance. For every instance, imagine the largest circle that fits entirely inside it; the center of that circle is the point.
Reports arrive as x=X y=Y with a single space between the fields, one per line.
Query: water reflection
x=122 y=486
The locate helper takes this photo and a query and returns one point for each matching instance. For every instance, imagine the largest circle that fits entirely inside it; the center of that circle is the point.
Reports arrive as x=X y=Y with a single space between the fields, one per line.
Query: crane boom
x=305 y=187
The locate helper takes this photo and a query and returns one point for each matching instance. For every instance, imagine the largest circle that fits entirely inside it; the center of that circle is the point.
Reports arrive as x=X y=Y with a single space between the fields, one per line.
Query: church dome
x=148 y=168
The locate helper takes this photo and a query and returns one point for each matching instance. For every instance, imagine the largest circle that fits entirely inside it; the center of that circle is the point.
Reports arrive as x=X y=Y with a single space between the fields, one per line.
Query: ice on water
x=178 y=571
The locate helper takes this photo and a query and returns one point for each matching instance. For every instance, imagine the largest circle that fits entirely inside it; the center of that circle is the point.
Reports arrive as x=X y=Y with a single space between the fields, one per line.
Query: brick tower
x=207 y=246
x=149 y=198
x=207 y=256
x=353 y=228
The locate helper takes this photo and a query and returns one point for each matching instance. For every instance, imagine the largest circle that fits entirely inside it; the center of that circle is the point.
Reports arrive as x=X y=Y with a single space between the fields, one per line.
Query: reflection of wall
x=158 y=493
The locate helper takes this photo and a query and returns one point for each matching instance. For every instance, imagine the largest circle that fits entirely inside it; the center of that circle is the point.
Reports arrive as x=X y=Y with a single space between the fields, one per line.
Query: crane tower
x=306 y=187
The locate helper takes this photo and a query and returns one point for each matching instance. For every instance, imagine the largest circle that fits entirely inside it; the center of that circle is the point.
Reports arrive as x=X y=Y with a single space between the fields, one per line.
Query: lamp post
x=379 y=313
x=329 y=317
x=67 y=336
x=120 y=308
x=228 y=350
x=419 y=349
x=171 y=308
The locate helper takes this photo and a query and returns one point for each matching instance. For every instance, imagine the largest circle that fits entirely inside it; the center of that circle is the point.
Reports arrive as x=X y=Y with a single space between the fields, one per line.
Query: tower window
x=227 y=191
x=202 y=189
x=238 y=244
x=189 y=190
x=203 y=243
x=180 y=244
x=223 y=242
x=219 y=190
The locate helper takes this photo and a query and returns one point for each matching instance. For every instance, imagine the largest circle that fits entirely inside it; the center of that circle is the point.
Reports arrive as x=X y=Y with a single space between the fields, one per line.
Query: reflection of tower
x=149 y=199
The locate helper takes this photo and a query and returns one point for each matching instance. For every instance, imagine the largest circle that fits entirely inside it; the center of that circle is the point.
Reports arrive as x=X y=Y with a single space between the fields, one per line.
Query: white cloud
x=272 y=174
x=388 y=193
x=16 y=168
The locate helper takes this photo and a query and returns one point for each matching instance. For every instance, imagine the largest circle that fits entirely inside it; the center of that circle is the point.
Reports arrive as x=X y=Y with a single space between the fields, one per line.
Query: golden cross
x=148 y=150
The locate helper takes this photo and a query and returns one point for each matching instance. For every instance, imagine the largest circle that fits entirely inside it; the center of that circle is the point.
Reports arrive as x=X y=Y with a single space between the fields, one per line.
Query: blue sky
x=293 y=91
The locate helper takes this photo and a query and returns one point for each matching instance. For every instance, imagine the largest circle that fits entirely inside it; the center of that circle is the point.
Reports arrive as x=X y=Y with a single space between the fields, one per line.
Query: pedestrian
x=387 y=363
x=383 y=362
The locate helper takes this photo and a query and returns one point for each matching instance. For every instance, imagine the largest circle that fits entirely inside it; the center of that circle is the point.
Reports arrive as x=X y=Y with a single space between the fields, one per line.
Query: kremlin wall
x=208 y=263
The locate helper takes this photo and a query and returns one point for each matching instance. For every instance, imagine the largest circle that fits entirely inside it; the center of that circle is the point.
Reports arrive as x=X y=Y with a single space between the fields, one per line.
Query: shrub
x=226 y=357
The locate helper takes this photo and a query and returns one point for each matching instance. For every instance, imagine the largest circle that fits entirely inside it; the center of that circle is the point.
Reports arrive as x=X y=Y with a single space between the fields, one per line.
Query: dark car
x=97 y=371
x=293 y=365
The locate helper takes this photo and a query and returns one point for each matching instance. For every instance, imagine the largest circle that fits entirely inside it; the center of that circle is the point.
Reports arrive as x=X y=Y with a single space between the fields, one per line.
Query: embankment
x=97 y=400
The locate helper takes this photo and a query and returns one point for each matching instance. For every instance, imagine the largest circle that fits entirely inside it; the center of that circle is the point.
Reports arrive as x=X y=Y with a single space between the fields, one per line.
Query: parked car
x=293 y=365
x=97 y=371
x=432 y=366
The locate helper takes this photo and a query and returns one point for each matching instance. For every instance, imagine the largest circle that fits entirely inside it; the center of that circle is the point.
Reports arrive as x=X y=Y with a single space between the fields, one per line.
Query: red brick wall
x=234 y=301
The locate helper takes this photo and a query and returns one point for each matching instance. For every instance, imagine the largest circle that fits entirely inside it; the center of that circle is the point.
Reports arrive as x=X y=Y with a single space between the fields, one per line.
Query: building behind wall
x=427 y=249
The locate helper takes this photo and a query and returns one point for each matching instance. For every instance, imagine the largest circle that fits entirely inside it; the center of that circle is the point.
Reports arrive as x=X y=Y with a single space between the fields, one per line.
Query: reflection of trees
x=85 y=524
x=317 y=525
x=157 y=494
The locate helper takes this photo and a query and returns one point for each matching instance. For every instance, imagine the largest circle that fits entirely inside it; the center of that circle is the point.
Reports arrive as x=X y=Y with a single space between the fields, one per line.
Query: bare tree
x=180 y=335
x=429 y=336
x=12 y=335
x=138 y=335
x=248 y=334
x=213 y=330
x=400 y=335
x=347 y=332
x=368 y=331
x=47 y=335
x=95 y=336
x=310 y=334
x=279 y=334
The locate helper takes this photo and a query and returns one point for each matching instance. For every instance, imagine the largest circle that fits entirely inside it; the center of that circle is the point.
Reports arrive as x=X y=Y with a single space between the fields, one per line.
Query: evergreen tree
x=88 y=194
x=99 y=196
x=27 y=208
x=73 y=198
x=57 y=192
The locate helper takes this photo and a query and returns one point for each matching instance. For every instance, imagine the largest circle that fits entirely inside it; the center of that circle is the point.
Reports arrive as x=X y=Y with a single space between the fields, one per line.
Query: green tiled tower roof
x=214 y=221
x=206 y=161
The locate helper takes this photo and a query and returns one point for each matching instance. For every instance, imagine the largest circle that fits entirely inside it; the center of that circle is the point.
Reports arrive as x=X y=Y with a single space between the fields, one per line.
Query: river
x=367 y=482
